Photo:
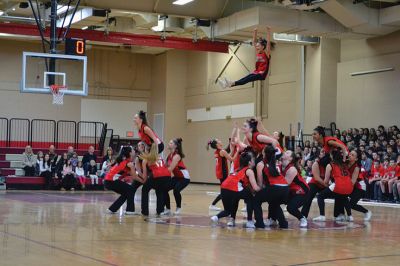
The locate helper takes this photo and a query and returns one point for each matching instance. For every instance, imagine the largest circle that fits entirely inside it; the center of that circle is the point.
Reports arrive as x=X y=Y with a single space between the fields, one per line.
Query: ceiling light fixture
x=181 y=2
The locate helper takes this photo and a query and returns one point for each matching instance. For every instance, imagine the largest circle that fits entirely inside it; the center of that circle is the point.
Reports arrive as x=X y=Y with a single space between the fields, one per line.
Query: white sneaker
x=214 y=208
x=303 y=222
x=250 y=224
x=178 y=211
x=110 y=212
x=244 y=209
x=231 y=223
x=214 y=219
x=222 y=83
x=368 y=216
x=131 y=213
x=320 y=218
x=350 y=218
x=270 y=222
x=340 y=218
x=166 y=212
x=228 y=83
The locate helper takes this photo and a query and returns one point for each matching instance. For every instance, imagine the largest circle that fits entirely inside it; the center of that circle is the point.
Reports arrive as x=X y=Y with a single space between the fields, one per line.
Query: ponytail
x=253 y=123
x=179 y=149
x=142 y=115
x=212 y=144
x=270 y=159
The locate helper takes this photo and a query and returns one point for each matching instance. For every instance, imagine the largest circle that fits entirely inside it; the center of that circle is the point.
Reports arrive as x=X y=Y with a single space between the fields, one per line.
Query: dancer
x=146 y=134
x=221 y=168
x=275 y=191
x=329 y=143
x=238 y=186
x=263 y=57
x=317 y=183
x=121 y=172
x=298 y=187
x=159 y=180
x=341 y=187
x=180 y=175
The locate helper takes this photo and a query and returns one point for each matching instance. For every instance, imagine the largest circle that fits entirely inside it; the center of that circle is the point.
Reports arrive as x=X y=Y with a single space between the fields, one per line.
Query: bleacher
x=40 y=134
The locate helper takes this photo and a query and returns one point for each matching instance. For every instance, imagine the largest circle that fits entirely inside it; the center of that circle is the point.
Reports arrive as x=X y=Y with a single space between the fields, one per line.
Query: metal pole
x=53 y=39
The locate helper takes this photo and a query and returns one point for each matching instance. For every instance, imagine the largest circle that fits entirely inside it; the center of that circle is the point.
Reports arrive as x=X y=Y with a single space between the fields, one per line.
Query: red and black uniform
x=261 y=71
x=234 y=188
x=221 y=166
x=358 y=191
x=159 y=181
x=315 y=187
x=339 y=190
x=180 y=180
x=298 y=189
x=327 y=148
x=275 y=192
x=255 y=144
x=126 y=191
x=148 y=140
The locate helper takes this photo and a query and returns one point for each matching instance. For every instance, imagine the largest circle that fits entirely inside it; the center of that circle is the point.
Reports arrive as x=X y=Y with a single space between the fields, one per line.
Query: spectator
x=53 y=158
x=307 y=144
x=92 y=172
x=38 y=160
x=29 y=161
x=80 y=174
x=45 y=170
x=376 y=175
x=366 y=163
x=337 y=134
x=70 y=152
x=398 y=146
x=306 y=154
x=109 y=154
x=89 y=156
x=105 y=168
x=60 y=165
x=74 y=161
x=68 y=179
x=372 y=135
x=314 y=153
x=390 y=153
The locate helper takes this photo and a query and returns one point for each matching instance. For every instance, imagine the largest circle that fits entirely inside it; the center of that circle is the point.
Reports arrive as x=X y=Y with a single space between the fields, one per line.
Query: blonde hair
x=152 y=156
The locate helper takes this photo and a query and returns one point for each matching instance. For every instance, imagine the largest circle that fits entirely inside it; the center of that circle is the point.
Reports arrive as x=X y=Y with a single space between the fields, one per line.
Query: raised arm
x=261 y=128
x=223 y=153
x=254 y=37
x=268 y=52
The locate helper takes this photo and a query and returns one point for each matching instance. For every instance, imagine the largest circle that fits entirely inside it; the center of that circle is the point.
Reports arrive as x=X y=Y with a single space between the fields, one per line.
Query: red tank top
x=159 y=170
x=299 y=185
x=321 y=174
x=120 y=168
x=351 y=169
x=262 y=64
x=255 y=144
x=236 y=162
x=236 y=181
x=180 y=166
x=328 y=148
x=342 y=179
x=144 y=137
x=273 y=180
x=221 y=165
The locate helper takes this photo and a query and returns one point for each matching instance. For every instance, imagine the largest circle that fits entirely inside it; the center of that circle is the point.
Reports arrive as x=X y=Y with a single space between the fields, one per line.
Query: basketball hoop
x=58 y=94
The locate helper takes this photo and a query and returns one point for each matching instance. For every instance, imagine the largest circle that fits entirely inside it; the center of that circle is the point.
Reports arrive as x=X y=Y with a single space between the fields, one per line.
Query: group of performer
x=263 y=172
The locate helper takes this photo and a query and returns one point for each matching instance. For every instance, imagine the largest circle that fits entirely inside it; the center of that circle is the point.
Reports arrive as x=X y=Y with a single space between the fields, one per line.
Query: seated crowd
x=66 y=171
x=380 y=151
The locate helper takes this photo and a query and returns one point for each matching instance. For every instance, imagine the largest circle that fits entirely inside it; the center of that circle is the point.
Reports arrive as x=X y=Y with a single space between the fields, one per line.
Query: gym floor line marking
x=57 y=248
x=345 y=259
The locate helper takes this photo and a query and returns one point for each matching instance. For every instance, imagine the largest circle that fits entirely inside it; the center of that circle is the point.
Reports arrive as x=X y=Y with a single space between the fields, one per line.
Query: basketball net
x=58 y=94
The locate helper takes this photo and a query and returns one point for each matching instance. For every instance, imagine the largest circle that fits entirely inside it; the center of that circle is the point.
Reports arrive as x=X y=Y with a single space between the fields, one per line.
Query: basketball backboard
x=41 y=70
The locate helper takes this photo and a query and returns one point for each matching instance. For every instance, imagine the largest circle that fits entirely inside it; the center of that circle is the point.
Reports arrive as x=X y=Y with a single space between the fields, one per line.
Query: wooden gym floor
x=72 y=228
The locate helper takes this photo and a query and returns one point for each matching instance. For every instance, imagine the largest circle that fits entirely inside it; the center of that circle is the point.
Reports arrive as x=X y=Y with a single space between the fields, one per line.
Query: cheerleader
x=359 y=191
x=329 y=143
x=317 y=183
x=275 y=191
x=263 y=57
x=340 y=189
x=298 y=188
x=255 y=139
x=238 y=186
x=121 y=172
x=159 y=180
x=221 y=168
x=146 y=134
x=180 y=175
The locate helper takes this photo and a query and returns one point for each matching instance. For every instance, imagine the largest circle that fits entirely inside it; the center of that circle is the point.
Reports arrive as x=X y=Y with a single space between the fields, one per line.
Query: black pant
x=127 y=193
x=218 y=198
x=29 y=170
x=355 y=196
x=160 y=185
x=135 y=185
x=68 y=181
x=47 y=178
x=177 y=185
x=160 y=147
x=294 y=203
x=371 y=190
x=249 y=78
x=340 y=201
x=314 y=189
x=230 y=200
x=275 y=196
